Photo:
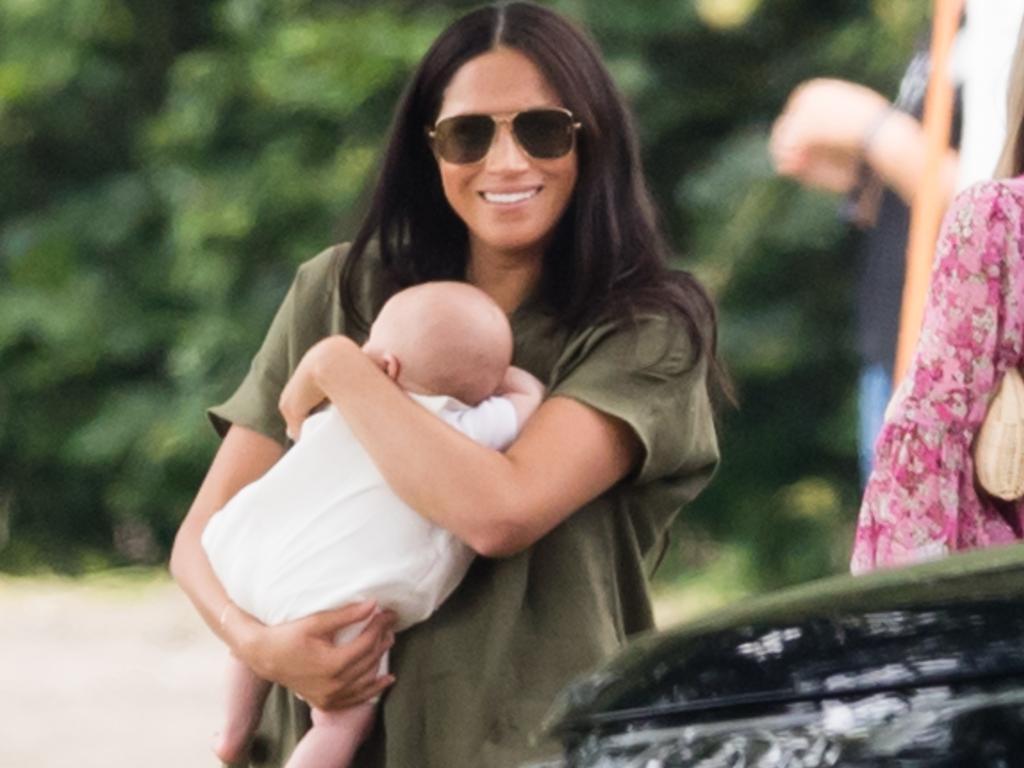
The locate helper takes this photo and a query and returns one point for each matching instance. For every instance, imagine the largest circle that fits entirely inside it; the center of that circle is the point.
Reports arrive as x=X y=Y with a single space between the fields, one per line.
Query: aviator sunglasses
x=543 y=134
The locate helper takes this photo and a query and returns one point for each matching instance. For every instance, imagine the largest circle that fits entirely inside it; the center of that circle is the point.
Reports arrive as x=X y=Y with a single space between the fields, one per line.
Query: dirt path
x=105 y=674
x=117 y=671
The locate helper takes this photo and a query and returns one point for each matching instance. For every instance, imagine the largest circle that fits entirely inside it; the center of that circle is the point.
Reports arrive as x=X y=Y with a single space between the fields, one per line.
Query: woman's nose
x=505 y=153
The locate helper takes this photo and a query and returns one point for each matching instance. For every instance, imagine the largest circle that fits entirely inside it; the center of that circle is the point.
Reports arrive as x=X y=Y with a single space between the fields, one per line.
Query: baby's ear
x=392 y=367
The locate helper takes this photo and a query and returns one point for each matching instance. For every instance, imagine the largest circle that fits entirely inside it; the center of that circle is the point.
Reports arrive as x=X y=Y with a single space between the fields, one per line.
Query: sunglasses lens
x=544 y=133
x=464 y=138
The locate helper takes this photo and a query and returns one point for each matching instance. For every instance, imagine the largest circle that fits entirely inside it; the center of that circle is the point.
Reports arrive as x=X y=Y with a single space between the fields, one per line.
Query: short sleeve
x=646 y=375
x=491 y=423
x=302 y=319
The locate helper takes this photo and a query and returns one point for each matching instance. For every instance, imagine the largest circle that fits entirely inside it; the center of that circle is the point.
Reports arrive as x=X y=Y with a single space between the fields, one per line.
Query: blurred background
x=166 y=165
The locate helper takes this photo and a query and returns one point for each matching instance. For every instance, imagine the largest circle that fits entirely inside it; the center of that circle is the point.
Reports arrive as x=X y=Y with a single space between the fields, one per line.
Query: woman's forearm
x=301 y=655
x=434 y=479
x=829 y=126
x=898 y=153
x=497 y=503
x=243 y=457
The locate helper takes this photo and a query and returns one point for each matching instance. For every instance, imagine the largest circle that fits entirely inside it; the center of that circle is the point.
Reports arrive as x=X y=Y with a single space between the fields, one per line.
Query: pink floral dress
x=921 y=501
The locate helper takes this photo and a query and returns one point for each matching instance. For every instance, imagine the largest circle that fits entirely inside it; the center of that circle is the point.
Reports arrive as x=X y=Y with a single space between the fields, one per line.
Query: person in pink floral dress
x=921 y=500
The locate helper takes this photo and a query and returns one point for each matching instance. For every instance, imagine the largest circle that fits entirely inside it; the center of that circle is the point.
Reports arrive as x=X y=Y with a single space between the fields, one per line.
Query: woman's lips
x=510 y=197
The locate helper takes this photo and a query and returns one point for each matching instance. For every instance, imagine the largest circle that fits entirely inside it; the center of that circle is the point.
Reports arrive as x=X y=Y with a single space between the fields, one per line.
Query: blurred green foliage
x=164 y=167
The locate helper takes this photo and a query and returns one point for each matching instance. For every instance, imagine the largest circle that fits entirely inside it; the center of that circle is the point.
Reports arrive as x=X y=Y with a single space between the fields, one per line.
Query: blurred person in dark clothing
x=846 y=138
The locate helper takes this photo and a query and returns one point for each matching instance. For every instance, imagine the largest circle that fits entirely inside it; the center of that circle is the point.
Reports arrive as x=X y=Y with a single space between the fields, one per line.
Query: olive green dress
x=475 y=680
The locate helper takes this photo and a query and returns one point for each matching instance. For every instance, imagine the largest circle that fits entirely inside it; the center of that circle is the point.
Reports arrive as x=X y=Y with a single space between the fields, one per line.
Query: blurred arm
x=898 y=154
x=828 y=127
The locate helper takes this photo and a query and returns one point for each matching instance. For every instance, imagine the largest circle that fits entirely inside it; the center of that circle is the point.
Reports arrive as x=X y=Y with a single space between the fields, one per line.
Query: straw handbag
x=999 y=449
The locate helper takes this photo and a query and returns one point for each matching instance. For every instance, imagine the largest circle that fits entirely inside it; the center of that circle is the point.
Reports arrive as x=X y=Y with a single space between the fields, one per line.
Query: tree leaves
x=164 y=168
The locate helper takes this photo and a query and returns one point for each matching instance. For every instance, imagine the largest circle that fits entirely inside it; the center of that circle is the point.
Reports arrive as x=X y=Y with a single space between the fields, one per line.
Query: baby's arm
x=496 y=422
x=523 y=390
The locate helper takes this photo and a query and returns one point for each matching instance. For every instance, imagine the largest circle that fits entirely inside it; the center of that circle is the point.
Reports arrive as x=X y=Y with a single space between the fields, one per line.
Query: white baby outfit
x=321 y=529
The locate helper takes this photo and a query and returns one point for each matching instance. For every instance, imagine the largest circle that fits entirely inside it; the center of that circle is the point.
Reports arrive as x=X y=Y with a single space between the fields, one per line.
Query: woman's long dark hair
x=608 y=257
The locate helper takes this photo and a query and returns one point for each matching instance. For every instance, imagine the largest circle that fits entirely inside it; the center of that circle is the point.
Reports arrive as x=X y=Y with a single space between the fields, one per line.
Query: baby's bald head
x=449 y=339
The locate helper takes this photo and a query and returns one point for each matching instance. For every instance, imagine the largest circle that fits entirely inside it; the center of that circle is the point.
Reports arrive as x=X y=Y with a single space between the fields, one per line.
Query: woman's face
x=509 y=201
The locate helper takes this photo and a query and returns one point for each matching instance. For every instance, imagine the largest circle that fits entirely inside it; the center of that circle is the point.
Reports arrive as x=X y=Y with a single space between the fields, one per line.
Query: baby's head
x=443 y=338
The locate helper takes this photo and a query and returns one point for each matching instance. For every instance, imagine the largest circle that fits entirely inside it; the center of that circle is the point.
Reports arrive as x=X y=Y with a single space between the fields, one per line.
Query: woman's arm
x=300 y=655
x=243 y=457
x=498 y=503
x=829 y=126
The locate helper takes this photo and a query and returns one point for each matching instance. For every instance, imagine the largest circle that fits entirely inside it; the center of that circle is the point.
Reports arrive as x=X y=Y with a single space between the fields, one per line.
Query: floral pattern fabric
x=921 y=500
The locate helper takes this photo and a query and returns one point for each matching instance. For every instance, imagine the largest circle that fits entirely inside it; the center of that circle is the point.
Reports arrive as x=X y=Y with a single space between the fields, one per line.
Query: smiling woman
x=509 y=199
x=512 y=165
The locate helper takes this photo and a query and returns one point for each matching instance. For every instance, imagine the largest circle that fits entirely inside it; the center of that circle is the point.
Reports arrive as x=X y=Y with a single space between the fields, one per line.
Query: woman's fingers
x=305 y=657
x=831 y=114
x=353 y=658
x=363 y=661
x=819 y=166
x=329 y=623
x=361 y=691
x=833 y=172
x=292 y=413
x=300 y=394
x=354 y=664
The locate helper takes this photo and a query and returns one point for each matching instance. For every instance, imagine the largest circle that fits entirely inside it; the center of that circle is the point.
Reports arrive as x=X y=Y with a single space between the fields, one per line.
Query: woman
x=921 y=500
x=511 y=164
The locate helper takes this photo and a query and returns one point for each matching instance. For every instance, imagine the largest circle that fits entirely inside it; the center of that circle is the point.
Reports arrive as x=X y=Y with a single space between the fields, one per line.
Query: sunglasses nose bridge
x=505 y=149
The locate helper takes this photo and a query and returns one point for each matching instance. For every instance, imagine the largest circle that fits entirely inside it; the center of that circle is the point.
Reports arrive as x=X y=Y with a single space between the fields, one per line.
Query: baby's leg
x=246 y=694
x=334 y=737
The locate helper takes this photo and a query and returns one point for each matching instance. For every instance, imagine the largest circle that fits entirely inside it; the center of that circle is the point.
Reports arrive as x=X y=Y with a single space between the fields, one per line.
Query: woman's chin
x=520 y=244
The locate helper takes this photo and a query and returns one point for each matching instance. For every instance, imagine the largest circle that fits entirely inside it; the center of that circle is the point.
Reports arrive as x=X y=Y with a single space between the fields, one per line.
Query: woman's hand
x=829 y=127
x=827 y=114
x=567 y=454
x=819 y=168
x=302 y=655
x=303 y=392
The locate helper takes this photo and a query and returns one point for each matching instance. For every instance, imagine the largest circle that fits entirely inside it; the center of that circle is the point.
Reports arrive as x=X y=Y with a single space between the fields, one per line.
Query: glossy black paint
x=963 y=727
x=932 y=657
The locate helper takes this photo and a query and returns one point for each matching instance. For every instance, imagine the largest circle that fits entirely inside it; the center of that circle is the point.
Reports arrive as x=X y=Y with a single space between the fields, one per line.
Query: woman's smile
x=508 y=198
x=510 y=201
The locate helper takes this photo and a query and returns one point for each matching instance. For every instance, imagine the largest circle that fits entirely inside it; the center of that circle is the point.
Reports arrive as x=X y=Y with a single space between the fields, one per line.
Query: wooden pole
x=929 y=200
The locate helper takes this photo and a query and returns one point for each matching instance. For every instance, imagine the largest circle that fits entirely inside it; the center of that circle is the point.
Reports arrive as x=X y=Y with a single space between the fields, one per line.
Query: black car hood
x=945 y=622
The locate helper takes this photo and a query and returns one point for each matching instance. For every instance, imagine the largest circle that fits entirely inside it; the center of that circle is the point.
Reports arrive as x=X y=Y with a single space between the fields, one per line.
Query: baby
x=321 y=529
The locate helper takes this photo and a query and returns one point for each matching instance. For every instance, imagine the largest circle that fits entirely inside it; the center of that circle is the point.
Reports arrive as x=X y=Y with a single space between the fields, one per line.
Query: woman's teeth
x=507 y=198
